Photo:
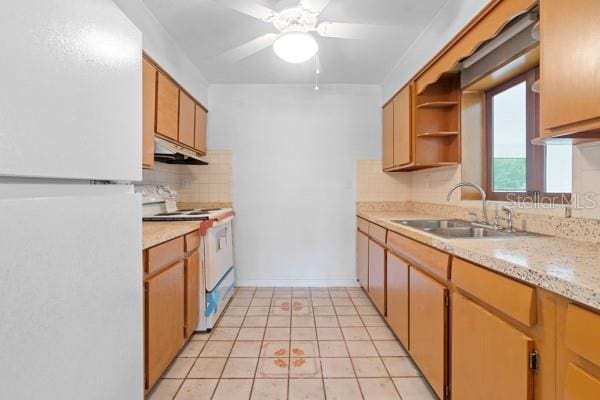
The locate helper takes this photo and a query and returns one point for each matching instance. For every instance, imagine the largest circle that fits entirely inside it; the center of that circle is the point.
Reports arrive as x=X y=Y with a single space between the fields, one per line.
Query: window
x=517 y=169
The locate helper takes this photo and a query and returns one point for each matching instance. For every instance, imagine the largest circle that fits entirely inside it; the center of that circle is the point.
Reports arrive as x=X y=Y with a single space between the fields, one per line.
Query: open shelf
x=438 y=104
x=437 y=134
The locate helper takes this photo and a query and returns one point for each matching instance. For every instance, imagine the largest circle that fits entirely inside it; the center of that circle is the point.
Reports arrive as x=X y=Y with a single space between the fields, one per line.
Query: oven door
x=218 y=252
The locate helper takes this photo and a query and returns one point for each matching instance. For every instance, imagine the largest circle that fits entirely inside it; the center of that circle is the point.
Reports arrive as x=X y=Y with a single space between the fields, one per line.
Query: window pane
x=509 y=110
x=559 y=166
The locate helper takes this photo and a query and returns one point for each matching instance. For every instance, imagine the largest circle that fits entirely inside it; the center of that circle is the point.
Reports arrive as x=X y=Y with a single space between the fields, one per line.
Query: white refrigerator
x=70 y=225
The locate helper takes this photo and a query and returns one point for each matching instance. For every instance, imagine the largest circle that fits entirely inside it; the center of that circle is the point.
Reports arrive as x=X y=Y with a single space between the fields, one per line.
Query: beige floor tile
x=261 y=302
x=233 y=389
x=337 y=368
x=300 y=293
x=207 y=368
x=320 y=294
x=301 y=301
x=246 y=348
x=165 y=389
x=345 y=310
x=281 y=311
x=217 y=349
x=389 y=348
x=240 y=302
x=201 y=336
x=306 y=389
x=255 y=321
x=240 y=368
x=321 y=301
x=230 y=322
x=270 y=389
x=277 y=334
x=414 y=389
x=355 y=333
x=361 y=301
x=338 y=294
x=357 y=294
x=281 y=302
x=275 y=349
x=342 y=389
x=304 y=334
x=362 y=348
x=350 y=320
x=373 y=320
x=251 y=334
x=224 y=333
x=341 y=301
x=400 y=367
x=378 y=389
x=179 y=368
x=367 y=310
x=258 y=311
x=197 y=389
x=192 y=349
x=303 y=321
x=371 y=367
x=326 y=322
x=272 y=368
x=333 y=348
x=304 y=349
x=301 y=367
x=263 y=294
x=327 y=311
x=302 y=310
x=380 y=333
x=329 y=334
x=278 y=322
x=236 y=311
x=244 y=294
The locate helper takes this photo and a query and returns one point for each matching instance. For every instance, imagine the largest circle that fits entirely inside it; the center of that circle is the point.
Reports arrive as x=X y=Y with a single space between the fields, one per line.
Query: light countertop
x=566 y=267
x=154 y=233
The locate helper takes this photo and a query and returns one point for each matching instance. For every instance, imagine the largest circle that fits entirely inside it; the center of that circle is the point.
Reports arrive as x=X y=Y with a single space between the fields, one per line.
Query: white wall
x=159 y=45
x=295 y=153
x=449 y=20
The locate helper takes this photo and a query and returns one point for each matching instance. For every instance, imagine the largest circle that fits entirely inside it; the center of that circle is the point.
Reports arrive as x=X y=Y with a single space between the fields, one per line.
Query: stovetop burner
x=168 y=214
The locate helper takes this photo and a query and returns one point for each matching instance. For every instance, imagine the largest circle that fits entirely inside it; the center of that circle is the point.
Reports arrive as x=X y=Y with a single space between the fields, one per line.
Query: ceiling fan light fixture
x=295 y=46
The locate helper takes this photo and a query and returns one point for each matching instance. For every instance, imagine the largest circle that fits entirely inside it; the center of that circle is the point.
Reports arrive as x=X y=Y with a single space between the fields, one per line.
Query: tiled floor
x=284 y=343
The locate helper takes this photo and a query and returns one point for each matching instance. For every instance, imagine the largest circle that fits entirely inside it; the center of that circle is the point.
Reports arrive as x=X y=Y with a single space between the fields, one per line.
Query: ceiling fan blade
x=314 y=6
x=247 y=49
x=345 y=30
x=250 y=8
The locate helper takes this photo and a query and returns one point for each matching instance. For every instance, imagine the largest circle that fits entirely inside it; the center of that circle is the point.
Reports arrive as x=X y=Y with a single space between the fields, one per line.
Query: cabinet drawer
x=507 y=295
x=418 y=254
x=362 y=224
x=582 y=333
x=164 y=255
x=579 y=385
x=377 y=233
x=192 y=241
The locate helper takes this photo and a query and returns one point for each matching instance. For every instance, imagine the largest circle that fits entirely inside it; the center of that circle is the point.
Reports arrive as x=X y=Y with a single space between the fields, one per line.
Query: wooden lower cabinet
x=377 y=275
x=192 y=292
x=362 y=259
x=428 y=328
x=164 y=298
x=397 y=297
x=490 y=358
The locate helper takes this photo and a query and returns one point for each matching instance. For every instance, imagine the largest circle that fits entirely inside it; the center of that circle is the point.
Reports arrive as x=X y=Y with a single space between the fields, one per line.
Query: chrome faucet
x=481 y=191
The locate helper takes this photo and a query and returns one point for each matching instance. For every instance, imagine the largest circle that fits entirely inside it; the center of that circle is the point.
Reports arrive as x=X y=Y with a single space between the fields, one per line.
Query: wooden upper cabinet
x=402 y=127
x=362 y=259
x=186 y=119
x=388 y=136
x=148 y=112
x=167 y=107
x=489 y=356
x=428 y=329
x=377 y=275
x=200 y=129
x=397 y=297
x=570 y=61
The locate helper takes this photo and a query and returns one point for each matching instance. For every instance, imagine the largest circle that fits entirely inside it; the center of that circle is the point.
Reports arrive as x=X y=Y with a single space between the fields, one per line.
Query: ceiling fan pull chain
x=317 y=72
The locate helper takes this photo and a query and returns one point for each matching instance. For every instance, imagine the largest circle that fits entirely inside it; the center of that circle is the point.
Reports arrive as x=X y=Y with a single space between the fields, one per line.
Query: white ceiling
x=204 y=29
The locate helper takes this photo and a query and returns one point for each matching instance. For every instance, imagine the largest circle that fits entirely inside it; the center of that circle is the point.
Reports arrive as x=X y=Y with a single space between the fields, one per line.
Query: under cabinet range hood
x=170 y=153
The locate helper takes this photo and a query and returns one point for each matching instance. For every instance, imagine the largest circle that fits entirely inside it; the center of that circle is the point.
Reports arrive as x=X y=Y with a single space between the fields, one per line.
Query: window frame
x=536 y=154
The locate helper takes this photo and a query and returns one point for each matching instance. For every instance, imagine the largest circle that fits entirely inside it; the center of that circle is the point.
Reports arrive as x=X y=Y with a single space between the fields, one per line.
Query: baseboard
x=297 y=283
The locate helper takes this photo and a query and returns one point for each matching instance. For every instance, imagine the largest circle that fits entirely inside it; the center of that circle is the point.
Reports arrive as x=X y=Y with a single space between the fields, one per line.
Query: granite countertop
x=154 y=233
x=566 y=267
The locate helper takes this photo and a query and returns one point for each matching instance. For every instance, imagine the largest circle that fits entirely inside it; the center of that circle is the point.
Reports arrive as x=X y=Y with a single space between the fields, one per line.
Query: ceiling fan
x=295 y=42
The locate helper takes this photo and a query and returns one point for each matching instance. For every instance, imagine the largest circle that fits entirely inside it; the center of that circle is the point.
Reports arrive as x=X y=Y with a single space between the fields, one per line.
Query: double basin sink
x=457 y=229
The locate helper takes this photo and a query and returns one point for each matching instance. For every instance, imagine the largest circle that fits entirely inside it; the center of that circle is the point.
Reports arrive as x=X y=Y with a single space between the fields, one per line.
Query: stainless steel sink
x=458 y=229
x=426 y=224
x=469 y=232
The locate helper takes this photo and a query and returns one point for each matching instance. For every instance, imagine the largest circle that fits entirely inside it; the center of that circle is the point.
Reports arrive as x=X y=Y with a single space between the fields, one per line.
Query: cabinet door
x=377 y=275
x=200 y=129
x=167 y=107
x=402 y=127
x=192 y=292
x=362 y=259
x=388 y=136
x=164 y=320
x=186 y=119
x=570 y=61
x=148 y=113
x=428 y=328
x=397 y=297
x=489 y=357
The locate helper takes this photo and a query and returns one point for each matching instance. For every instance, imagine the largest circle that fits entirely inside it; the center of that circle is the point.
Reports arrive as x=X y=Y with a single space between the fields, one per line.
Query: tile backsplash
x=586 y=179
x=374 y=185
